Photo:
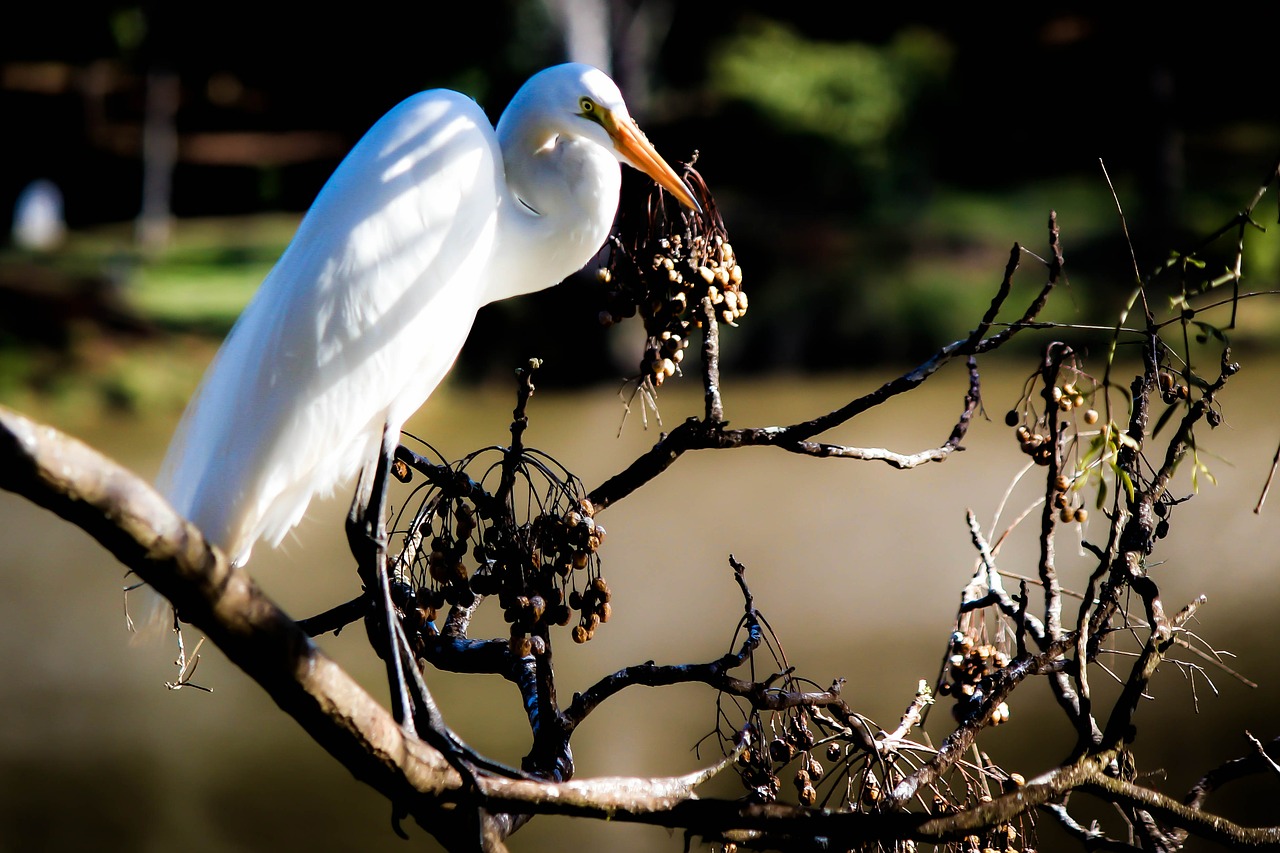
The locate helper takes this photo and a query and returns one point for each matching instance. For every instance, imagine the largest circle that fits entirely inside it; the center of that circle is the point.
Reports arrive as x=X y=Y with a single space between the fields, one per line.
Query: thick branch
x=139 y=527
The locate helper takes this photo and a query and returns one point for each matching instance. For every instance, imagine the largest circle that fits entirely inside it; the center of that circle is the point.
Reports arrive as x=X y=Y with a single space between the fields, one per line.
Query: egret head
x=597 y=112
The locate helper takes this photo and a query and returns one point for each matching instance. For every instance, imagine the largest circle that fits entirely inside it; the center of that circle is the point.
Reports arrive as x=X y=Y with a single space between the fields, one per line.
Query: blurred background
x=873 y=172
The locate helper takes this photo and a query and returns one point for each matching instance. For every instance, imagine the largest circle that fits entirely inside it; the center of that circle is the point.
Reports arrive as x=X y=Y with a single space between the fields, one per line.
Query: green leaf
x=1127 y=482
x=1210 y=331
x=1163 y=419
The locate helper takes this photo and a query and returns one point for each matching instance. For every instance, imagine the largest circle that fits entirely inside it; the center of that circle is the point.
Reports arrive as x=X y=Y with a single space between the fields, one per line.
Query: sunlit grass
x=207 y=276
x=190 y=293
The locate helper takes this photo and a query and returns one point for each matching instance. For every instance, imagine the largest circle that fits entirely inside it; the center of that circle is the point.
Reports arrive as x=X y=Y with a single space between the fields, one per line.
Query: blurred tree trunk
x=620 y=37
x=159 y=156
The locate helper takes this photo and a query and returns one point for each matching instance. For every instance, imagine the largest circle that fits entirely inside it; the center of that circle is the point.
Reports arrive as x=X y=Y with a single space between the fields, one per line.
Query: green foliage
x=211 y=270
x=852 y=95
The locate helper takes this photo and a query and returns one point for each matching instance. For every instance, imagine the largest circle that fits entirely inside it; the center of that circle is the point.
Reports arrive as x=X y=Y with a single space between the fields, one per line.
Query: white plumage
x=429 y=217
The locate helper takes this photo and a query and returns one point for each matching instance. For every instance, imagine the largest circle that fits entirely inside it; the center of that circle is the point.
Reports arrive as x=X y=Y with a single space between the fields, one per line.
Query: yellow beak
x=632 y=144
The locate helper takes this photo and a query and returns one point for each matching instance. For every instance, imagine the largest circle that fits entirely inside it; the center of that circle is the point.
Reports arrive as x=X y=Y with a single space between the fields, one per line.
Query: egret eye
x=588 y=106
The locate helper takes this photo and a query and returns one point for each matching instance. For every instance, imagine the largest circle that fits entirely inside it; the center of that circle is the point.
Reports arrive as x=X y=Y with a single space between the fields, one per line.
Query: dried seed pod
x=781 y=751
x=1091 y=416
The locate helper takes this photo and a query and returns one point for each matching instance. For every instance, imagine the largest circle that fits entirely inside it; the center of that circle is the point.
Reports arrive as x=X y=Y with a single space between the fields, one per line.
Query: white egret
x=431 y=216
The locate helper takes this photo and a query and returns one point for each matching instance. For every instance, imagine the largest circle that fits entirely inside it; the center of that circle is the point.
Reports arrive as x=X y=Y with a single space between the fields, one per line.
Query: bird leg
x=430 y=722
x=411 y=702
x=367 y=538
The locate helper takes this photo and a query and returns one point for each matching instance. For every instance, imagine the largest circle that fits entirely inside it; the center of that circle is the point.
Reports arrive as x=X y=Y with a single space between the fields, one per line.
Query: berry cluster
x=1066 y=398
x=661 y=269
x=542 y=569
x=969 y=667
x=758 y=764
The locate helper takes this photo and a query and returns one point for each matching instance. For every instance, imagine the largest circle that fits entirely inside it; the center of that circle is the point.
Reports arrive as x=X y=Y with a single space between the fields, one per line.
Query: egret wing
x=354 y=327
